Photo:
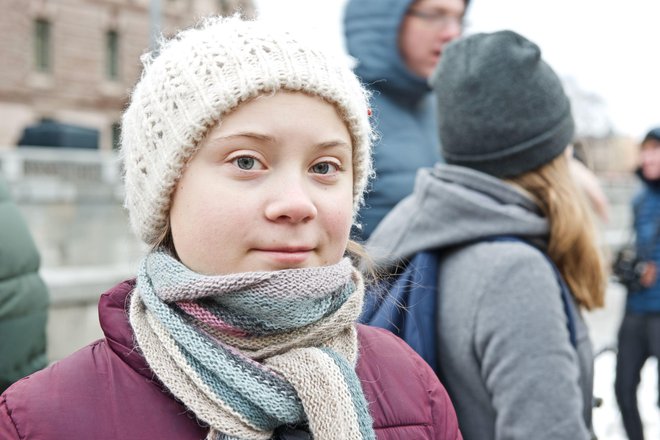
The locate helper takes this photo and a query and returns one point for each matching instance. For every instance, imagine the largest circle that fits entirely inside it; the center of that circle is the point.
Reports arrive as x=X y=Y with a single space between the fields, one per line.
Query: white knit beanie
x=204 y=73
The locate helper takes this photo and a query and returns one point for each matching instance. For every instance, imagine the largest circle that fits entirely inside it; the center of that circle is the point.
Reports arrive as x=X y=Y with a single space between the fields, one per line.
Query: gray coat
x=504 y=349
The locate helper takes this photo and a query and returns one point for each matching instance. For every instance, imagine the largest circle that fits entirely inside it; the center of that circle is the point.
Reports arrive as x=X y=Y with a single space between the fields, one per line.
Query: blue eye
x=321 y=168
x=324 y=168
x=245 y=162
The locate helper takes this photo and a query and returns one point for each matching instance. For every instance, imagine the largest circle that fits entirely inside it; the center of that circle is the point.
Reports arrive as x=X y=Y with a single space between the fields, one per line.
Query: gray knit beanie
x=502 y=110
x=204 y=73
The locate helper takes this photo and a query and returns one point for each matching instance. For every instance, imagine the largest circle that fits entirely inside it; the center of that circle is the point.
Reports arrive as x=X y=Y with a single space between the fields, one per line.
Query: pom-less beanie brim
x=522 y=157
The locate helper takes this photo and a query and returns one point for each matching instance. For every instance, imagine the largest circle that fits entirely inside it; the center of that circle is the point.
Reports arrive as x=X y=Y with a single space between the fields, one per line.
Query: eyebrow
x=247 y=134
x=270 y=139
x=332 y=144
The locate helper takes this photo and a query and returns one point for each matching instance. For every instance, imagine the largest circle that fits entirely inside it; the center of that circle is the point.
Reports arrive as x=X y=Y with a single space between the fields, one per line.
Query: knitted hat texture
x=204 y=73
x=502 y=110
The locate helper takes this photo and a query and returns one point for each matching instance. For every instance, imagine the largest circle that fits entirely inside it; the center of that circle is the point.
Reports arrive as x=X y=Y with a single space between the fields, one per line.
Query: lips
x=286 y=256
x=287 y=249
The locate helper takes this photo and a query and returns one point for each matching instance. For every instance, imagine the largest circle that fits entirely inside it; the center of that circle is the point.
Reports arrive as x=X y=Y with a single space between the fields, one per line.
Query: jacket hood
x=453 y=206
x=371 y=29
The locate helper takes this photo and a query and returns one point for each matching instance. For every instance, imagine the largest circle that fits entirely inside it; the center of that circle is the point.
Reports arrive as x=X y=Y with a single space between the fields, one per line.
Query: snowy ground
x=607 y=419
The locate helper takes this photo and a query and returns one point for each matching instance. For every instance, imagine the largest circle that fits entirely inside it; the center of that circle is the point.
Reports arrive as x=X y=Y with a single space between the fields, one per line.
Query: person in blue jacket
x=397 y=44
x=639 y=334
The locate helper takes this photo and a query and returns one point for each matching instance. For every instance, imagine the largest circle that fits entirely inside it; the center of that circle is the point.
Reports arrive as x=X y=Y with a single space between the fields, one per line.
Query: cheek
x=408 y=41
x=337 y=222
x=217 y=218
x=340 y=222
x=651 y=163
x=202 y=214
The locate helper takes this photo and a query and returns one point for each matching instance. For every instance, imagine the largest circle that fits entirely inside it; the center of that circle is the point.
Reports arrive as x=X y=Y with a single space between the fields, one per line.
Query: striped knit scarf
x=249 y=352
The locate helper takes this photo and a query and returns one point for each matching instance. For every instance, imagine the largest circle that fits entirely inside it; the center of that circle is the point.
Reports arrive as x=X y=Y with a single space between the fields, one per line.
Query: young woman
x=246 y=155
x=502 y=213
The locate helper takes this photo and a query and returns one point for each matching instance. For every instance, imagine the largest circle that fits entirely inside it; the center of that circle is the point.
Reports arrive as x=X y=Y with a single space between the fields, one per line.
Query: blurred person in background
x=23 y=297
x=518 y=256
x=396 y=44
x=639 y=334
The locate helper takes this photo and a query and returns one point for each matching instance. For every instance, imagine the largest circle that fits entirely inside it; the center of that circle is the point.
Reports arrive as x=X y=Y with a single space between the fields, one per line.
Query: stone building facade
x=74 y=61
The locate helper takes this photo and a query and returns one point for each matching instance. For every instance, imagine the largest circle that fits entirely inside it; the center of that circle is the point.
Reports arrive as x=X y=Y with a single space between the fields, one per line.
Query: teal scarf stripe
x=267 y=318
x=238 y=374
x=258 y=415
x=355 y=388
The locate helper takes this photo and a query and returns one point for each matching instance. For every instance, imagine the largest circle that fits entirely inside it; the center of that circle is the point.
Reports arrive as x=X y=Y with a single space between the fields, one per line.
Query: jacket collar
x=113 y=316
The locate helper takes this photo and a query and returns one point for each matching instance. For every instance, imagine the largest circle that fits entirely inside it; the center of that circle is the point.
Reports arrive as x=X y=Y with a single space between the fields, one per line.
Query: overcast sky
x=610 y=48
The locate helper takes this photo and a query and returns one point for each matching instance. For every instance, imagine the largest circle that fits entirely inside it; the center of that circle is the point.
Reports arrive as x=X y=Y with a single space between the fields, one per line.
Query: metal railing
x=55 y=174
x=71 y=164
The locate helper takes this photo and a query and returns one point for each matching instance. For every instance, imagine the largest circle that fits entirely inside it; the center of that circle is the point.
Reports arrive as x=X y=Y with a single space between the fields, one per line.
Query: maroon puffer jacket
x=107 y=391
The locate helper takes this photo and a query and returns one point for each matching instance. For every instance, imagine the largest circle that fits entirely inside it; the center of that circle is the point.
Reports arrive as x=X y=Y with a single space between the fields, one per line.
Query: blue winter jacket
x=646 y=206
x=403 y=108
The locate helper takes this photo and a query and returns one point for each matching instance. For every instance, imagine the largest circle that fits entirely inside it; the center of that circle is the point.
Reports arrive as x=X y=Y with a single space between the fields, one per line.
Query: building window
x=42 y=45
x=112 y=55
x=116 y=135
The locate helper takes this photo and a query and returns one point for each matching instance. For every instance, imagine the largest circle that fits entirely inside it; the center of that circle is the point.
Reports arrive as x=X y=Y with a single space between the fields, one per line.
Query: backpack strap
x=566 y=296
x=406 y=305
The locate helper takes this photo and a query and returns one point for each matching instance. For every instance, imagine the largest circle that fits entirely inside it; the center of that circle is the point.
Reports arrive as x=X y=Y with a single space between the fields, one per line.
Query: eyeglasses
x=439 y=19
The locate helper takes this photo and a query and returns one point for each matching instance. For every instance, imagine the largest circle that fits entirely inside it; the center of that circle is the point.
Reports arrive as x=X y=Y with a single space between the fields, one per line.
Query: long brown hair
x=572 y=243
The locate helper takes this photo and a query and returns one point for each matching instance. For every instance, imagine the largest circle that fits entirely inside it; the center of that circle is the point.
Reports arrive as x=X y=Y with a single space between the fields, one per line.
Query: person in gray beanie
x=530 y=100
x=517 y=250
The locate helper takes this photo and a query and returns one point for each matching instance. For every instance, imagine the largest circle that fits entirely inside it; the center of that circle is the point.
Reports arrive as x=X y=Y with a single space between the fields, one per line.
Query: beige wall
x=76 y=90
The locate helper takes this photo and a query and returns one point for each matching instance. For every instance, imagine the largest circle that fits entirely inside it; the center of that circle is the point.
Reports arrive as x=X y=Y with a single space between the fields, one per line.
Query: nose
x=452 y=30
x=290 y=202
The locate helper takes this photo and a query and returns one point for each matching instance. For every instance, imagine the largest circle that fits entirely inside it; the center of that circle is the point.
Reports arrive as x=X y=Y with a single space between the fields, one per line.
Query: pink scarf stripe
x=203 y=315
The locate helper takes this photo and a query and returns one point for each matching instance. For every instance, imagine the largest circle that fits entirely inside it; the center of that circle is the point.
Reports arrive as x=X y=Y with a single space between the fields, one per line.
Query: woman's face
x=270 y=188
x=650 y=159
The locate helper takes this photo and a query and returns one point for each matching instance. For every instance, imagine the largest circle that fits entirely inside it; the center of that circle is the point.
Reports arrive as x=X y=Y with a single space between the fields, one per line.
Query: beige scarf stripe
x=323 y=392
x=180 y=383
x=204 y=393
